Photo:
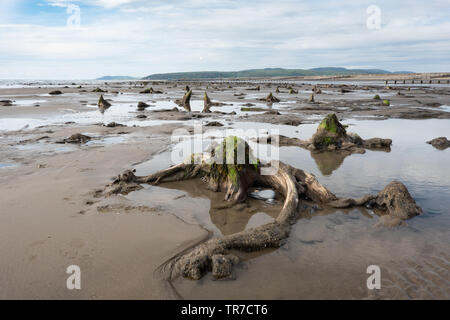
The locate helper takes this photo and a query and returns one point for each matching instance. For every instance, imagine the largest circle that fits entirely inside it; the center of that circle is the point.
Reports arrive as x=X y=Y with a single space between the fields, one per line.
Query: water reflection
x=327 y=162
x=191 y=201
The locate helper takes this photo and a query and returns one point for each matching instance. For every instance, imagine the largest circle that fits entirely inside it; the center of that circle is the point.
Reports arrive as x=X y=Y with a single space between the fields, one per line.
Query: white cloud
x=142 y=37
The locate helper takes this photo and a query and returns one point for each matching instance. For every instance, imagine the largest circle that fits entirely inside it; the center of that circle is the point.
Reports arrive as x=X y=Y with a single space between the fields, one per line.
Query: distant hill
x=109 y=78
x=402 y=72
x=267 y=72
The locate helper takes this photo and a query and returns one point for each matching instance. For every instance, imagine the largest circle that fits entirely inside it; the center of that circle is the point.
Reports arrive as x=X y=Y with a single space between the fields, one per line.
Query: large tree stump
x=234 y=179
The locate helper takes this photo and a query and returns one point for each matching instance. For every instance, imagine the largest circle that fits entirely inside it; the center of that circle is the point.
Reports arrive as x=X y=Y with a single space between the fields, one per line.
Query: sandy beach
x=54 y=214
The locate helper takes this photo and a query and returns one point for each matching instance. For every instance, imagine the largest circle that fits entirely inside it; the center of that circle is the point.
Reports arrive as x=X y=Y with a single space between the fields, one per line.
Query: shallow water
x=7 y=165
x=193 y=203
x=422 y=168
x=124 y=113
x=123 y=110
x=197 y=106
x=328 y=252
x=28 y=102
x=444 y=108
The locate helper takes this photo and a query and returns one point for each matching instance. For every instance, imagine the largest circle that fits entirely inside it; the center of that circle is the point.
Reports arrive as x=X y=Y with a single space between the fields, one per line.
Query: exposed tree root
x=331 y=135
x=292 y=183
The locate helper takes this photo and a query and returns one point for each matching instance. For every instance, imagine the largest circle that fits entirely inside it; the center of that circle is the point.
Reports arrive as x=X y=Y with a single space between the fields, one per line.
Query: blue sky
x=137 y=37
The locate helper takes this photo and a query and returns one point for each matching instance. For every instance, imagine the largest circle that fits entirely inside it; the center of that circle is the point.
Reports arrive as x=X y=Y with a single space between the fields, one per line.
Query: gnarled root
x=200 y=260
x=294 y=184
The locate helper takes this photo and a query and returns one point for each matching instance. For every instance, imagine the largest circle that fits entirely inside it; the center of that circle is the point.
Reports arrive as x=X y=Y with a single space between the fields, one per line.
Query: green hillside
x=259 y=73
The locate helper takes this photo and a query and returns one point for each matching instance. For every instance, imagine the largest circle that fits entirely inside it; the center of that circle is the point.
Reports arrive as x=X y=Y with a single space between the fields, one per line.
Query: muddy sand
x=53 y=214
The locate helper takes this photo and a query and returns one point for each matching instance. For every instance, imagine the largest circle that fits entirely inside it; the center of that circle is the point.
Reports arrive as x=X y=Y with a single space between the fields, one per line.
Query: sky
x=44 y=39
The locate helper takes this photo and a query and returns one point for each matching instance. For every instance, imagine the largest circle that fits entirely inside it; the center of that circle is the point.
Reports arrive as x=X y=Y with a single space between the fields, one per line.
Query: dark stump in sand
x=207 y=104
x=332 y=135
x=440 y=143
x=103 y=105
x=316 y=90
x=142 y=106
x=77 y=138
x=331 y=144
x=214 y=124
x=114 y=125
x=6 y=103
x=150 y=91
x=295 y=185
x=186 y=101
x=270 y=98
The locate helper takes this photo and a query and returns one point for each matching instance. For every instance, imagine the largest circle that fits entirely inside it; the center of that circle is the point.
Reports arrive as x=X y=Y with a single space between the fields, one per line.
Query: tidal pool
x=328 y=251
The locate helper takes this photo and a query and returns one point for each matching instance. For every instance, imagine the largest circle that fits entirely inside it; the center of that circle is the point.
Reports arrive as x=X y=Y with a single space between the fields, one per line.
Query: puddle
x=107 y=140
x=28 y=103
x=120 y=113
x=444 y=108
x=193 y=203
x=45 y=148
x=7 y=165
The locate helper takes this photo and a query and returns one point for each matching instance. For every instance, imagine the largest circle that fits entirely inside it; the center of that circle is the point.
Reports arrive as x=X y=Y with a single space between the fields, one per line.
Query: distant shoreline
x=354 y=77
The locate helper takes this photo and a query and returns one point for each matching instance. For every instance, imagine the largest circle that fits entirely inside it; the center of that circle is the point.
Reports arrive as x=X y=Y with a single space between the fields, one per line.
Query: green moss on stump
x=229 y=147
x=332 y=124
x=386 y=103
x=330 y=132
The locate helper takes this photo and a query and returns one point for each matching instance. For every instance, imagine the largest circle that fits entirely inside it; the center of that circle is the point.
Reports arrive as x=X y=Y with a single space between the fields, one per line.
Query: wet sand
x=52 y=217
